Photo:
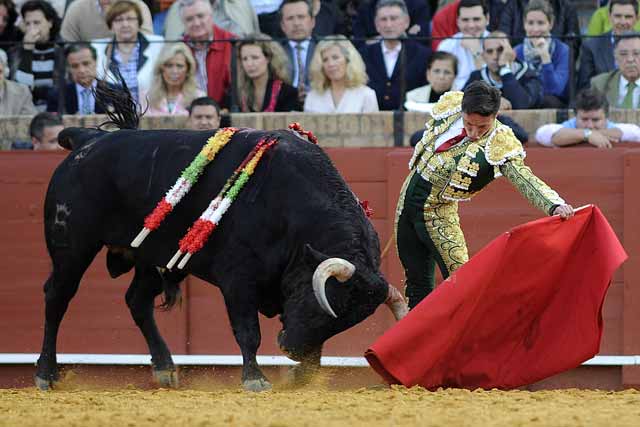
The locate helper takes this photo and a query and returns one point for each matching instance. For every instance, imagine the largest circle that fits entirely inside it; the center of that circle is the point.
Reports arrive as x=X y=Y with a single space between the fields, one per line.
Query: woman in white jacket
x=338 y=80
x=130 y=51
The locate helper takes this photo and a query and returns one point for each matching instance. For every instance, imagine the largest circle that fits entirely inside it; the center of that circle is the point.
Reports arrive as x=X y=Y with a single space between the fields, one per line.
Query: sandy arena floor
x=396 y=406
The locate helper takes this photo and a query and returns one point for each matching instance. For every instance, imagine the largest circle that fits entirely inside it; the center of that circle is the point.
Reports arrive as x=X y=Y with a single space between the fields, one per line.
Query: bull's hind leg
x=59 y=289
x=242 y=308
x=146 y=285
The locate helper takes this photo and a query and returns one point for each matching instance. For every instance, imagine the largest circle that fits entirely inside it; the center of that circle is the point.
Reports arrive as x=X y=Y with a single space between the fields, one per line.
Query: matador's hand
x=565 y=211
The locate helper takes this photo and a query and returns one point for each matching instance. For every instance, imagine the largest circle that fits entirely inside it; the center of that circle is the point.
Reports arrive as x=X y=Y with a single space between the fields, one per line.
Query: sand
x=377 y=406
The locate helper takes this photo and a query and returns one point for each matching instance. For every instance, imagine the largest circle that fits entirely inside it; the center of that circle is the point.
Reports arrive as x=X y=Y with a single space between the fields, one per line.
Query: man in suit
x=596 y=54
x=78 y=97
x=394 y=65
x=297 y=23
x=622 y=86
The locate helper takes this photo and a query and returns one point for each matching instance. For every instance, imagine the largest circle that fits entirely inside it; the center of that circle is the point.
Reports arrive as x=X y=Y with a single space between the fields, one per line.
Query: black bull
x=293 y=214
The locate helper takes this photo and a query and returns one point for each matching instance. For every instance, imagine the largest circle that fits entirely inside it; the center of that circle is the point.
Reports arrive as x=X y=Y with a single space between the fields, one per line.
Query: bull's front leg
x=242 y=308
x=304 y=372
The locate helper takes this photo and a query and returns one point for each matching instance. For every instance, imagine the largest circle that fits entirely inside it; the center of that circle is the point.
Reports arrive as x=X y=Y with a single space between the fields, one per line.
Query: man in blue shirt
x=591 y=125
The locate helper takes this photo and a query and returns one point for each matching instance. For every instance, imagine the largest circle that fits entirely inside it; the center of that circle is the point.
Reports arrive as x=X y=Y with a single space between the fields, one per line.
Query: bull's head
x=344 y=294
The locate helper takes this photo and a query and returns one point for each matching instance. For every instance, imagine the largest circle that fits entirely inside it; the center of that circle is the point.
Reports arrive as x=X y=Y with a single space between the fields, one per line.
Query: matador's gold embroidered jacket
x=460 y=172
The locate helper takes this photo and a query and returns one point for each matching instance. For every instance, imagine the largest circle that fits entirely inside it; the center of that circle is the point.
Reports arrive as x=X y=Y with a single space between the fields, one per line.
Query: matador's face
x=477 y=125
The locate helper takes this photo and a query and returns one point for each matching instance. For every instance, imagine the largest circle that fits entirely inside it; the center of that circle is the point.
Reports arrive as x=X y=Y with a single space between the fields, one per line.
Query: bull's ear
x=313 y=257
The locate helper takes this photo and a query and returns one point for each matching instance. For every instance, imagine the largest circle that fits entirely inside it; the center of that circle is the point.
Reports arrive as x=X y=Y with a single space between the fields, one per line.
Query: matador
x=463 y=148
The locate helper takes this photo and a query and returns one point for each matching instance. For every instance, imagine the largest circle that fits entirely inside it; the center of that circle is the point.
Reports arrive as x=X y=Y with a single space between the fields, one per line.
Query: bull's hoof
x=301 y=375
x=44 y=384
x=167 y=378
x=260 y=384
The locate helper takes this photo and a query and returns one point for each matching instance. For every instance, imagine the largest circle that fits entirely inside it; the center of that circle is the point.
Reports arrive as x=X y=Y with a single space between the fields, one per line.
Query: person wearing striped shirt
x=34 y=62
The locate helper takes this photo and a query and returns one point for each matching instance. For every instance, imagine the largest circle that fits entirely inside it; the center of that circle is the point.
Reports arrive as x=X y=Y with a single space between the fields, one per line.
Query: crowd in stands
x=322 y=56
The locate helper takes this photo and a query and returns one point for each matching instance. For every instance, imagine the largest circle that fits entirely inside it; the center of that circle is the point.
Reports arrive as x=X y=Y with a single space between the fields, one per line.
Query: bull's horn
x=396 y=303
x=333 y=267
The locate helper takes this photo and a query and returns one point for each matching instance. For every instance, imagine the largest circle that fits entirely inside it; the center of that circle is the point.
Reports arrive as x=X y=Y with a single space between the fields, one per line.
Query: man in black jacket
x=596 y=55
x=78 y=96
x=394 y=65
x=520 y=87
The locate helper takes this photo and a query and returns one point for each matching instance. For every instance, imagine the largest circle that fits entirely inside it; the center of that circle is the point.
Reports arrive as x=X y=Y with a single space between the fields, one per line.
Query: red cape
x=527 y=306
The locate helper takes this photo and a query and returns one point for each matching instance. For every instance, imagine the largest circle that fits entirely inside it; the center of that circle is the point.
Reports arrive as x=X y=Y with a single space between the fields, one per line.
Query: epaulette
x=450 y=103
x=502 y=145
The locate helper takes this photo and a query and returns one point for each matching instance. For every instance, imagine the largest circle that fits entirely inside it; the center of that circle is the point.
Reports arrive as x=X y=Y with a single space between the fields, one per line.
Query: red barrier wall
x=98 y=320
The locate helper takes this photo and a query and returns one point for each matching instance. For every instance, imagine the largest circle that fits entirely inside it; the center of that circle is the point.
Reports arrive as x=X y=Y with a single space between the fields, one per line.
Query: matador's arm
x=530 y=186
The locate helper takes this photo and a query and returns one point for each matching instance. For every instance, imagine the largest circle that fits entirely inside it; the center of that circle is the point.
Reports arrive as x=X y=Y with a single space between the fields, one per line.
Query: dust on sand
x=315 y=406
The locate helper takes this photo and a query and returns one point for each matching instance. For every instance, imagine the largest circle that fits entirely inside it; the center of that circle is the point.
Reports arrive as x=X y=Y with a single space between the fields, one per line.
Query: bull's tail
x=120 y=106
x=171 y=288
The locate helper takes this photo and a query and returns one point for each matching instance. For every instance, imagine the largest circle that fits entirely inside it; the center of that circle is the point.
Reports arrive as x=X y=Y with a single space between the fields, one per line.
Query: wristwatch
x=587 y=134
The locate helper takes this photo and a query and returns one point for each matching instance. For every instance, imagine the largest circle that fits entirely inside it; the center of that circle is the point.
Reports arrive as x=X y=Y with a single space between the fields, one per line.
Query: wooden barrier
x=333 y=130
x=98 y=320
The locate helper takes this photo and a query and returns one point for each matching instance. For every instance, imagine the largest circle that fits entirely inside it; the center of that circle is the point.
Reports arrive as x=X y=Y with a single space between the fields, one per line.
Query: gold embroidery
x=451 y=194
x=443 y=226
x=459 y=181
x=400 y=206
x=530 y=186
x=472 y=150
x=502 y=145
x=466 y=165
x=449 y=103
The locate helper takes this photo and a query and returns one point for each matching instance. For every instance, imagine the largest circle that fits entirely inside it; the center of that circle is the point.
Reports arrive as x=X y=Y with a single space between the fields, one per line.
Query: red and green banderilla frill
x=202 y=228
x=187 y=179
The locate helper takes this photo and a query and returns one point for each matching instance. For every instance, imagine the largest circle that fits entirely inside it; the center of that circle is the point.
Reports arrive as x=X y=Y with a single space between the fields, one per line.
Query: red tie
x=453 y=141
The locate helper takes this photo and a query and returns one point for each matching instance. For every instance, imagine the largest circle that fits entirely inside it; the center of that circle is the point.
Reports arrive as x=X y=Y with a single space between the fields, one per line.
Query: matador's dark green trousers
x=426 y=233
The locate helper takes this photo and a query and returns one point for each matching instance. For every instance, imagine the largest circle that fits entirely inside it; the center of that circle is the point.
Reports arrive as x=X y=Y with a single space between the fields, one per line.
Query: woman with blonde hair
x=338 y=80
x=173 y=85
x=264 y=83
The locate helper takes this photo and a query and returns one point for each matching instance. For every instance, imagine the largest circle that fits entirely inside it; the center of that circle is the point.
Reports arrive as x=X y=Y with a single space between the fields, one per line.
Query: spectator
x=269 y=17
x=394 y=65
x=621 y=87
x=590 y=125
x=78 y=94
x=600 y=22
x=44 y=129
x=442 y=69
x=347 y=12
x=15 y=98
x=9 y=33
x=173 y=86
x=596 y=56
x=235 y=16
x=326 y=16
x=520 y=87
x=418 y=11
x=339 y=80
x=546 y=56
x=85 y=20
x=297 y=23
x=444 y=23
x=131 y=52
x=565 y=24
x=263 y=77
x=472 y=20
x=210 y=45
x=35 y=61
x=204 y=114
